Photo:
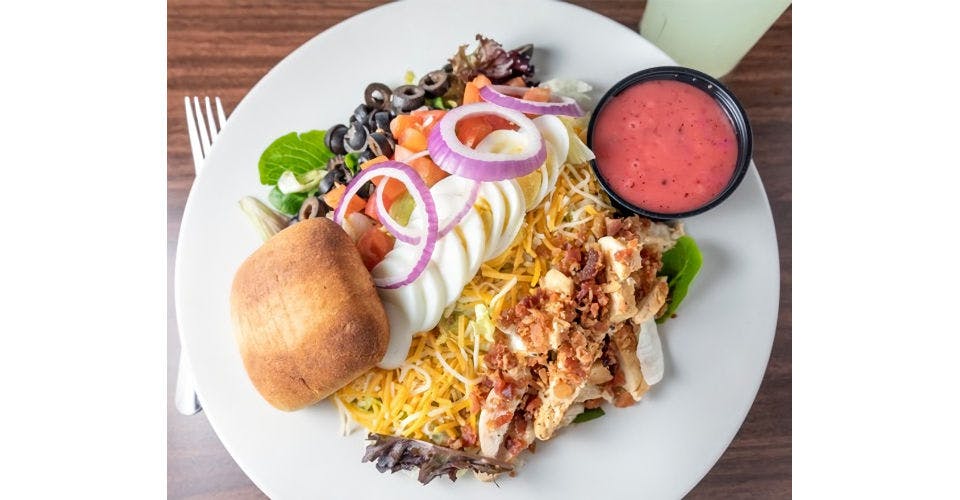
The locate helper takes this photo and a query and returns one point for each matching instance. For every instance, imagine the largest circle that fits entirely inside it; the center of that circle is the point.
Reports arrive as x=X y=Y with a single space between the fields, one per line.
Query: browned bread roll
x=306 y=315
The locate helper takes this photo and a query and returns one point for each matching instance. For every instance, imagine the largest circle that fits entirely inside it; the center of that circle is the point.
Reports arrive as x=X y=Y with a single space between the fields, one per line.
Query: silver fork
x=202 y=135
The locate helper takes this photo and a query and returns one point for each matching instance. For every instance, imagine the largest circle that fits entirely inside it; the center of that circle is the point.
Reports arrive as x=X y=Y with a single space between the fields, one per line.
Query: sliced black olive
x=366 y=156
x=326 y=184
x=362 y=112
x=366 y=190
x=377 y=96
x=309 y=208
x=334 y=139
x=356 y=137
x=408 y=97
x=381 y=122
x=435 y=83
x=448 y=68
x=342 y=175
x=379 y=144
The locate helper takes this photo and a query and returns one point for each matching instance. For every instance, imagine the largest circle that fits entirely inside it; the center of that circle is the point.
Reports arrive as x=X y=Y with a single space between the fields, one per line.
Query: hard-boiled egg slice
x=474 y=239
x=409 y=298
x=401 y=336
x=554 y=133
x=454 y=264
x=434 y=295
x=491 y=194
x=515 y=214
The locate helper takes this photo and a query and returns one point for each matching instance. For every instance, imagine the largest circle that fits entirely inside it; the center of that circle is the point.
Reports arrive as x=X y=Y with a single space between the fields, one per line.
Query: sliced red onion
x=406 y=235
x=510 y=97
x=456 y=158
x=421 y=197
x=467 y=205
x=412 y=236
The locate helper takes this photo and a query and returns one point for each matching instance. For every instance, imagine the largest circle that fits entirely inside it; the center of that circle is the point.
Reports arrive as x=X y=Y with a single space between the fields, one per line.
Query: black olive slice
x=366 y=190
x=365 y=156
x=379 y=144
x=435 y=83
x=356 y=137
x=334 y=139
x=381 y=121
x=408 y=97
x=377 y=96
x=326 y=184
x=362 y=112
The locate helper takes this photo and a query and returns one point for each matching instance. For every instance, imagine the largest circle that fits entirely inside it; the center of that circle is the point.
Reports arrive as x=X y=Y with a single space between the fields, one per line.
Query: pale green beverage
x=709 y=35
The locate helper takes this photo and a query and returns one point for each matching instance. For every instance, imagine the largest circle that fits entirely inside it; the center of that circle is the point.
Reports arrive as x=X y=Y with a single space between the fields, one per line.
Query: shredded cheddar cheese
x=429 y=396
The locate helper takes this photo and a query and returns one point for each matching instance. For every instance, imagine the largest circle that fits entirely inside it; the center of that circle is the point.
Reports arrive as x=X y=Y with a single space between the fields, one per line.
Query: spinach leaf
x=680 y=265
x=286 y=203
x=352 y=162
x=589 y=415
x=298 y=153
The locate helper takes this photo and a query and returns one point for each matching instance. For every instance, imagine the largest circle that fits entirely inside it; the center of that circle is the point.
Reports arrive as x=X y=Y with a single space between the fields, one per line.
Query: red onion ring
x=405 y=235
x=509 y=97
x=454 y=157
x=422 y=198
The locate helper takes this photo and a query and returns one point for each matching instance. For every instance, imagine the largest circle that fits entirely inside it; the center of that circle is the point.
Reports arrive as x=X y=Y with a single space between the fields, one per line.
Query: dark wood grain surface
x=223 y=47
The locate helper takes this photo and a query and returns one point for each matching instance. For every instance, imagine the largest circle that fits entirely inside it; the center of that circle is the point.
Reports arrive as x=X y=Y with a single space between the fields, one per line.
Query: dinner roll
x=306 y=315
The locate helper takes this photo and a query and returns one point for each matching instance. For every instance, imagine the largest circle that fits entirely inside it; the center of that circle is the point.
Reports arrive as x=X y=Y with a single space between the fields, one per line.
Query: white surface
x=715 y=351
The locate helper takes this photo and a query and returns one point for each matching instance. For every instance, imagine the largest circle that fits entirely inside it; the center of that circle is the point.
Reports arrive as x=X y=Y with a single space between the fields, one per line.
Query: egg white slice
x=474 y=238
x=498 y=217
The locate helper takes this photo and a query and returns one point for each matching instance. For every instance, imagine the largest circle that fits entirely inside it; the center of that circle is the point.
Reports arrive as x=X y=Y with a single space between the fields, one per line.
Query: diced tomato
x=400 y=123
x=481 y=81
x=471 y=94
x=373 y=245
x=370 y=209
x=413 y=139
x=517 y=81
x=499 y=122
x=428 y=170
x=373 y=161
x=538 y=94
x=429 y=119
x=473 y=129
x=334 y=197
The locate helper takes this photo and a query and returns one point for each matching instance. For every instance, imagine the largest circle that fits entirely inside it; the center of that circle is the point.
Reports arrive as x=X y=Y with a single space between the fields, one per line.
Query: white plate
x=716 y=350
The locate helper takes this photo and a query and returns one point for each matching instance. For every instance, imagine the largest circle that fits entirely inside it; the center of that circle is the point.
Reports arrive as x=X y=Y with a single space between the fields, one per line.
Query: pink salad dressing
x=665 y=146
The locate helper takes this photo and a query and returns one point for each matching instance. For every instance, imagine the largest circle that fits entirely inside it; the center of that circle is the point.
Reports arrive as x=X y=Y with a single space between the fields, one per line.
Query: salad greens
x=290 y=182
x=680 y=265
x=352 y=162
x=286 y=203
x=588 y=415
x=298 y=153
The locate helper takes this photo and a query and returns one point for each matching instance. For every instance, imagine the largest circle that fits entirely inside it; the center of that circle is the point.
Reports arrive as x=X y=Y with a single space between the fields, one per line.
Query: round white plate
x=716 y=350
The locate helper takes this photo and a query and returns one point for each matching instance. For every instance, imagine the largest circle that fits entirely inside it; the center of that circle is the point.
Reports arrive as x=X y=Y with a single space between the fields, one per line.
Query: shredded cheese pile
x=429 y=396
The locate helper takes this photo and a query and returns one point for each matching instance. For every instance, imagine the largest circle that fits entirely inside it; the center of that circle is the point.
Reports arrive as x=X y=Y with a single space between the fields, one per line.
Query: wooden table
x=222 y=47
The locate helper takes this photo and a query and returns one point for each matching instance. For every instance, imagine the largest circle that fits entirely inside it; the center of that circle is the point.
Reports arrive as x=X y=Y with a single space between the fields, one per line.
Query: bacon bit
x=592 y=403
x=570 y=263
x=468 y=435
x=613 y=226
x=456 y=444
x=622 y=398
x=502 y=419
x=591 y=267
x=533 y=405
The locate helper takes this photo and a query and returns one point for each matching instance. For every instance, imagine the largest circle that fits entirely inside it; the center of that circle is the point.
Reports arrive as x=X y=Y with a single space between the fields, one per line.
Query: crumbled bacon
x=591 y=266
x=593 y=403
x=570 y=263
x=468 y=435
x=613 y=226
x=622 y=398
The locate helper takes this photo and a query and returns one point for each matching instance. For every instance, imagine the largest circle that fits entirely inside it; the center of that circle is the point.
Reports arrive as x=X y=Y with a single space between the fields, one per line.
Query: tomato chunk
x=373 y=246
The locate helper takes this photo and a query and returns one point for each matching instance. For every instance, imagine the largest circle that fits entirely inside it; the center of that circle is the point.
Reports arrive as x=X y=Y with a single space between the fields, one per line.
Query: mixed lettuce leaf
x=680 y=265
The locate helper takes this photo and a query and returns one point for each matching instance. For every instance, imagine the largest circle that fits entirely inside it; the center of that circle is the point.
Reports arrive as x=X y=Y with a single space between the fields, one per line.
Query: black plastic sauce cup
x=728 y=103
